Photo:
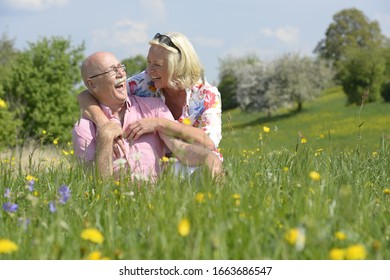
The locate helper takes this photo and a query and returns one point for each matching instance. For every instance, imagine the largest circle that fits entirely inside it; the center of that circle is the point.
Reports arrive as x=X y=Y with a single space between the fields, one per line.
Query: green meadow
x=301 y=186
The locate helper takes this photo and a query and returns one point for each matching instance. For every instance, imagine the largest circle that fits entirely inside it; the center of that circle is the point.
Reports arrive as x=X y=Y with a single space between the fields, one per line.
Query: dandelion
x=356 y=252
x=184 y=227
x=10 y=207
x=55 y=141
x=340 y=235
x=64 y=194
x=314 y=175
x=296 y=236
x=199 y=198
x=303 y=140
x=266 y=129
x=3 y=104
x=285 y=169
x=164 y=159
x=95 y=256
x=7 y=246
x=337 y=254
x=186 y=121
x=93 y=235
x=386 y=191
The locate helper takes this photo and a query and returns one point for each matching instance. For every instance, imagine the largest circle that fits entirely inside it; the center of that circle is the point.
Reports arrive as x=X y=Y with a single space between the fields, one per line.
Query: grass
x=284 y=198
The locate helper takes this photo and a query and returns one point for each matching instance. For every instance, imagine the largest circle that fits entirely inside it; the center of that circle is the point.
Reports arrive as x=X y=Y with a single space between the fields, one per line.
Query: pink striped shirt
x=144 y=153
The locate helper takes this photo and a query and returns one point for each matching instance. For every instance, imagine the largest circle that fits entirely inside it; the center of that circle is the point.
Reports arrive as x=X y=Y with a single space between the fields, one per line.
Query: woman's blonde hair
x=184 y=66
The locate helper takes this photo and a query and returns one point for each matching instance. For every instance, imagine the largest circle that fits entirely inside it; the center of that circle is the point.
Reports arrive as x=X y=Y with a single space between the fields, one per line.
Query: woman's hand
x=135 y=129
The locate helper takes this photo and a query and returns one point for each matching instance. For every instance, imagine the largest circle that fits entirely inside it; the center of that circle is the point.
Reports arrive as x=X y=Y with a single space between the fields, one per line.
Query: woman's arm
x=171 y=128
x=91 y=109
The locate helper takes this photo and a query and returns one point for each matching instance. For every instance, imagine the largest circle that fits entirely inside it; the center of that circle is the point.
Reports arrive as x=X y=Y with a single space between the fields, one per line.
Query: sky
x=217 y=28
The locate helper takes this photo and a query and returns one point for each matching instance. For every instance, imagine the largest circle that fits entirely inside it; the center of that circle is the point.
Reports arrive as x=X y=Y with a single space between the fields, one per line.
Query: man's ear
x=91 y=85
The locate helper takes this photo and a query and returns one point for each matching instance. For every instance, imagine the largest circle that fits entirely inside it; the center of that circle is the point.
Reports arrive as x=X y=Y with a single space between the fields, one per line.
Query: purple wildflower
x=64 y=194
x=10 y=207
x=31 y=185
x=52 y=206
x=7 y=193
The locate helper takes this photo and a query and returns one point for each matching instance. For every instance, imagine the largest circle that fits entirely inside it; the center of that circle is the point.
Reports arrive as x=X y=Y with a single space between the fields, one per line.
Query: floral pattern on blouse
x=203 y=107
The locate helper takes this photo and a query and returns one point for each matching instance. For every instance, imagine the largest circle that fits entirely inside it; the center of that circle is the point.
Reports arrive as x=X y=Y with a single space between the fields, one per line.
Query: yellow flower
x=164 y=159
x=30 y=178
x=55 y=141
x=199 y=197
x=296 y=236
x=186 y=121
x=92 y=235
x=266 y=129
x=340 y=235
x=291 y=236
x=184 y=227
x=236 y=196
x=3 y=104
x=285 y=169
x=386 y=191
x=303 y=140
x=337 y=254
x=95 y=255
x=314 y=175
x=7 y=246
x=44 y=132
x=356 y=252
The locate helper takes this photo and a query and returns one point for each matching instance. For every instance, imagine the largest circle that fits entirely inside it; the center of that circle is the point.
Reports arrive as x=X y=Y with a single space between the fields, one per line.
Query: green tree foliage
x=43 y=88
x=385 y=90
x=350 y=29
x=9 y=123
x=354 y=44
x=135 y=65
x=362 y=74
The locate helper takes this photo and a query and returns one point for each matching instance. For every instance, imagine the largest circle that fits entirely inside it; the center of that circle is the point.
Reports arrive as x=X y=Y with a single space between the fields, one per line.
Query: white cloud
x=285 y=34
x=207 y=41
x=35 y=5
x=124 y=34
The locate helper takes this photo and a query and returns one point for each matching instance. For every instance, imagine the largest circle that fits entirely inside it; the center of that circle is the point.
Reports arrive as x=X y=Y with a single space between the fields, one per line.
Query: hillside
x=324 y=122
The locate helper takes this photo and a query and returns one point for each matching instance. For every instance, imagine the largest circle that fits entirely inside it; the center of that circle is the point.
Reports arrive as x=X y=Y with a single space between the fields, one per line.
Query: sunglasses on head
x=164 y=39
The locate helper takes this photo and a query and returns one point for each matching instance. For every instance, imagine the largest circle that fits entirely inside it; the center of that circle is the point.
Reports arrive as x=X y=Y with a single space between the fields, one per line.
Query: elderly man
x=105 y=79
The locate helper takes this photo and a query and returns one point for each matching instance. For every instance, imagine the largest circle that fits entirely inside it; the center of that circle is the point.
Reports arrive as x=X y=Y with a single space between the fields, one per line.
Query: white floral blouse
x=203 y=104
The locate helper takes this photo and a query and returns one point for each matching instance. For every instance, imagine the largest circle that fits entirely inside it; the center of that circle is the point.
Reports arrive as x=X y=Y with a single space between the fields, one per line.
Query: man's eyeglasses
x=113 y=71
x=164 y=39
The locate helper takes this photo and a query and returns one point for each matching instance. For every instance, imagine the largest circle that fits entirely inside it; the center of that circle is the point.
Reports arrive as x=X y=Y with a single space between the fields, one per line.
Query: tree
x=288 y=81
x=135 y=64
x=351 y=28
x=354 y=44
x=229 y=69
x=362 y=74
x=45 y=81
x=9 y=123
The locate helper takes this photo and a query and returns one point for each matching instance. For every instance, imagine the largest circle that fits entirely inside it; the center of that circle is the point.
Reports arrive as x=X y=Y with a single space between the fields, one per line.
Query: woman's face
x=157 y=66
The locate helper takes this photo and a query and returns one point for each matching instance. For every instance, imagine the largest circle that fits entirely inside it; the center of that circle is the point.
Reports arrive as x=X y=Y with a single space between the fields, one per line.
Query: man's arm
x=104 y=147
x=193 y=155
